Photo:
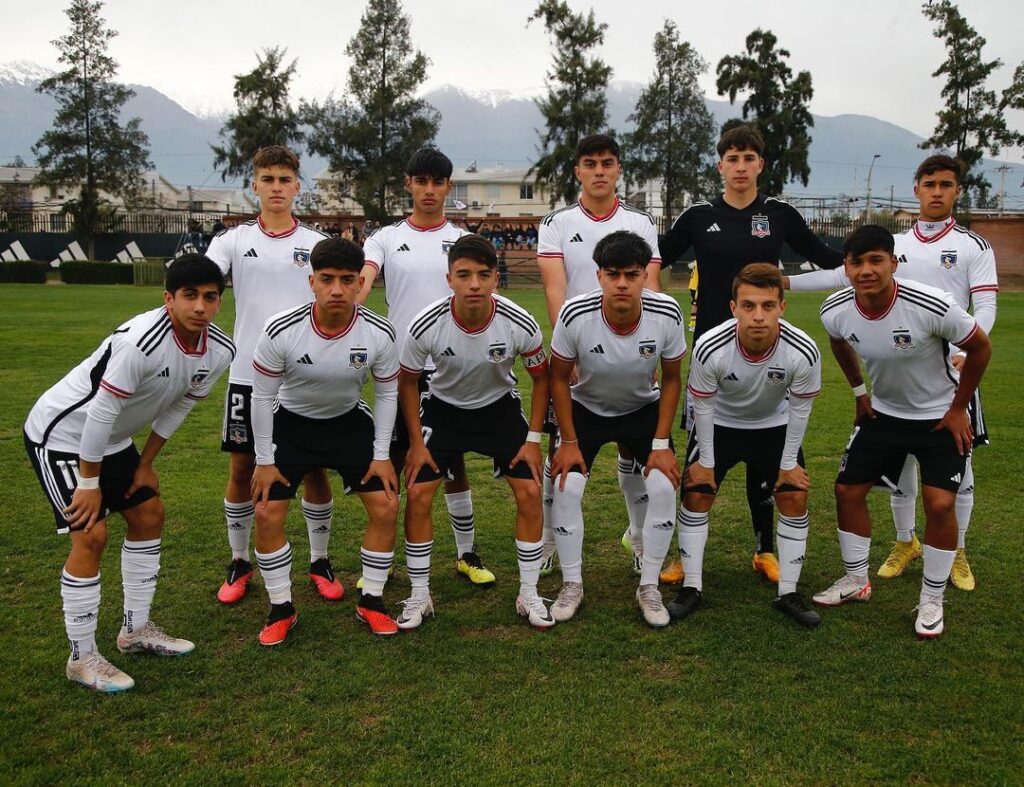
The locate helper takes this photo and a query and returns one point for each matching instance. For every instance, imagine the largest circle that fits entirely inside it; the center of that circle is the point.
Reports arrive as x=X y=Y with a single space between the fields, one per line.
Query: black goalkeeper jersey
x=725 y=239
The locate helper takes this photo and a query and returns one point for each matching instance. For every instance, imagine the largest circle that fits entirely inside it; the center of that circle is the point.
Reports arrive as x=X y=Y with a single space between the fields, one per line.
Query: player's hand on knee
x=418 y=457
x=664 y=459
x=958 y=422
x=144 y=476
x=795 y=476
x=863 y=409
x=264 y=477
x=85 y=508
x=567 y=457
x=698 y=475
x=530 y=454
x=385 y=471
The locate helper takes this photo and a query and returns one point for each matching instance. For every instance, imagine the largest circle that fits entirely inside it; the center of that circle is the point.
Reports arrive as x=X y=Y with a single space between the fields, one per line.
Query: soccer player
x=739 y=227
x=753 y=380
x=412 y=255
x=474 y=337
x=310 y=365
x=901 y=329
x=565 y=255
x=148 y=372
x=616 y=336
x=268 y=259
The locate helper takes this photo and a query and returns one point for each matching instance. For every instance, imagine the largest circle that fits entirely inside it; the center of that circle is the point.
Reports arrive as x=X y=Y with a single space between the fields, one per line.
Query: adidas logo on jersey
x=732 y=376
x=714 y=228
x=448 y=352
x=852 y=338
x=165 y=373
x=598 y=349
x=403 y=247
x=577 y=238
x=251 y=253
x=306 y=360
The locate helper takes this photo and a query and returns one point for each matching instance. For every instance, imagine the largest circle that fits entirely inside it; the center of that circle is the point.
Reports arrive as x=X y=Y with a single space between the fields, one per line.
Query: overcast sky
x=872 y=57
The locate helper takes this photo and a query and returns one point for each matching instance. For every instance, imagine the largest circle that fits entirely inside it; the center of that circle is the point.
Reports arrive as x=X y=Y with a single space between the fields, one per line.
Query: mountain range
x=490 y=128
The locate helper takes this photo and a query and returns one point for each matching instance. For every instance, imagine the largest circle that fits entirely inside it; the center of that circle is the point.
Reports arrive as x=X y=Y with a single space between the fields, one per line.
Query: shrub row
x=89 y=272
x=27 y=272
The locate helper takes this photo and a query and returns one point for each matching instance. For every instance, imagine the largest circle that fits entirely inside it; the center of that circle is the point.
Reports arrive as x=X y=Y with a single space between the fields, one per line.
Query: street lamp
x=867 y=210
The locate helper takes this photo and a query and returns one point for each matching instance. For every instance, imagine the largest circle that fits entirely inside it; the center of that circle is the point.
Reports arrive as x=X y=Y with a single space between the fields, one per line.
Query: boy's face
x=622 y=288
x=335 y=289
x=870 y=273
x=937 y=193
x=598 y=174
x=740 y=168
x=193 y=308
x=757 y=311
x=472 y=282
x=277 y=187
x=428 y=192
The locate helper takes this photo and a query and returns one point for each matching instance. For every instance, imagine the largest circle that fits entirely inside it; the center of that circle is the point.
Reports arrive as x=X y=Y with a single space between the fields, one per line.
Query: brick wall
x=1006 y=234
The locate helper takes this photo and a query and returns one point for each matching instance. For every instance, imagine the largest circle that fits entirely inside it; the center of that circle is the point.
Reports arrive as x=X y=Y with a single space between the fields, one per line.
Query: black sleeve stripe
x=157 y=340
x=379 y=322
x=923 y=296
x=675 y=316
x=586 y=304
x=982 y=243
x=523 y=319
x=837 y=299
x=547 y=219
x=153 y=329
x=663 y=303
x=288 y=318
x=927 y=306
x=250 y=223
x=223 y=341
x=578 y=311
x=791 y=340
x=705 y=349
x=321 y=233
x=800 y=340
x=643 y=213
x=428 y=319
x=280 y=326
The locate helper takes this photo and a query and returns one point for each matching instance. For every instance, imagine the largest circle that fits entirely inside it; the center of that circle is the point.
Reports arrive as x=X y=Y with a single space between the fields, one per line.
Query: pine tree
x=88 y=148
x=674 y=135
x=263 y=117
x=368 y=137
x=777 y=102
x=576 y=103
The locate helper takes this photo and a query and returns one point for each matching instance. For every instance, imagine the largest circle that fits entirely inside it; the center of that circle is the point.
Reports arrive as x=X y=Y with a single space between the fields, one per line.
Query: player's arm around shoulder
x=374 y=251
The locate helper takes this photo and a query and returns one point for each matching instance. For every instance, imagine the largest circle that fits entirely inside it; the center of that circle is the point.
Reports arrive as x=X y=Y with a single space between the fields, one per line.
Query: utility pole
x=1002 y=170
x=892 y=209
x=867 y=209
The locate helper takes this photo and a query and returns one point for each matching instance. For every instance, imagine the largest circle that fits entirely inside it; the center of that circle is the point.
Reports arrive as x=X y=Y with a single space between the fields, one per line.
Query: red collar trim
x=331 y=336
x=200 y=348
x=418 y=228
x=757 y=358
x=941 y=234
x=618 y=331
x=879 y=315
x=594 y=217
x=282 y=234
x=464 y=328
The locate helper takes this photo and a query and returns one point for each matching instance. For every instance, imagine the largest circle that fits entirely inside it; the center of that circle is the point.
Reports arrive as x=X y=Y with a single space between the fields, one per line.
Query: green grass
x=736 y=693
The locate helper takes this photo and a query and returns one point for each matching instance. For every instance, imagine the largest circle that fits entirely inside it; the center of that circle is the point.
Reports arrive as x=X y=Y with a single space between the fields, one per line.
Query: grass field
x=735 y=694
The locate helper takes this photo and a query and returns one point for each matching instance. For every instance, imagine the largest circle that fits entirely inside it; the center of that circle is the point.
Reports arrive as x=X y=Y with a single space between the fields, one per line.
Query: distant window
x=459 y=193
x=493 y=192
x=526 y=191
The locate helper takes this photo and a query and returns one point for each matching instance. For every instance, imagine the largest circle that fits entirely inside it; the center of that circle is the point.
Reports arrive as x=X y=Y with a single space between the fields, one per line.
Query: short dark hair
x=742 y=137
x=275 y=156
x=430 y=162
x=337 y=252
x=597 y=143
x=193 y=270
x=870 y=237
x=763 y=275
x=473 y=247
x=938 y=163
x=622 y=249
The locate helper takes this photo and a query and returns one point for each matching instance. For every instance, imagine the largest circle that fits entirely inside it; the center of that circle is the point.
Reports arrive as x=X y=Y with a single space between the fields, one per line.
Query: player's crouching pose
x=150 y=371
x=314 y=361
x=474 y=337
x=616 y=336
x=753 y=380
x=902 y=330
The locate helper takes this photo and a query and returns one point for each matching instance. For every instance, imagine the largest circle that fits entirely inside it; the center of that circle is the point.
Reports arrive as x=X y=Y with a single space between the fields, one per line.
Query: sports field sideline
x=735 y=693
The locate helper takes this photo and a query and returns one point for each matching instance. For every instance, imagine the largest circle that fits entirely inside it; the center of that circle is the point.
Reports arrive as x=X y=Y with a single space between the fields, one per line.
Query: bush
x=24 y=272
x=90 y=272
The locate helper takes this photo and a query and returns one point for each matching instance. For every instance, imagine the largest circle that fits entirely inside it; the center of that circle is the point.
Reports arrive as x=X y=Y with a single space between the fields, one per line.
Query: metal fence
x=142 y=222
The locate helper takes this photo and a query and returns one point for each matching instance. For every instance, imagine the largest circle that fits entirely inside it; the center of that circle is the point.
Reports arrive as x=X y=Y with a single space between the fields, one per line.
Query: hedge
x=24 y=272
x=89 y=272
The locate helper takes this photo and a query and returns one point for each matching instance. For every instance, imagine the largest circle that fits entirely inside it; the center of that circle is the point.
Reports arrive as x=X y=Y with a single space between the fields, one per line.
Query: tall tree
x=971 y=121
x=263 y=116
x=674 y=135
x=1013 y=98
x=368 y=137
x=88 y=147
x=576 y=103
x=777 y=102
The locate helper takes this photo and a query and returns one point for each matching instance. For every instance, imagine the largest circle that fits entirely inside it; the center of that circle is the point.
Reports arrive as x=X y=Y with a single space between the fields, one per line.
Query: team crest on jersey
x=648 y=349
x=902 y=340
x=301 y=257
x=759 y=227
x=446 y=246
x=357 y=357
x=948 y=258
x=776 y=376
x=198 y=377
x=496 y=353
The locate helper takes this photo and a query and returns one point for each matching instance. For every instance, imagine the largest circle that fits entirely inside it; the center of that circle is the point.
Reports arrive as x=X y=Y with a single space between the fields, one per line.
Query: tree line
x=368 y=133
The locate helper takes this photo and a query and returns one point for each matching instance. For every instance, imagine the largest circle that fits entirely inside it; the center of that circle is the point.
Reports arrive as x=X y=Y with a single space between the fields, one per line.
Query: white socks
x=376 y=567
x=659 y=522
x=276 y=568
x=318 y=524
x=792 y=545
x=529 y=556
x=904 y=504
x=855 y=550
x=81 y=597
x=548 y=496
x=239 y=518
x=634 y=490
x=417 y=566
x=937 y=565
x=140 y=566
x=460 y=513
x=964 y=505
x=693 y=536
x=567 y=525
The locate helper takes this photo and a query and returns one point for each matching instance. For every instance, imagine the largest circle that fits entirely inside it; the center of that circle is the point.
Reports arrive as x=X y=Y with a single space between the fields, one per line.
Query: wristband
x=860 y=390
x=533 y=437
x=659 y=444
x=560 y=441
x=89 y=483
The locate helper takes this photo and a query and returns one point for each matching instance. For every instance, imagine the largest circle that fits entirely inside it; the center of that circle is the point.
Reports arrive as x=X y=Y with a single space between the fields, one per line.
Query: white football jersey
x=322 y=375
x=414 y=263
x=753 y=392
x=269 y=273
x=905 y=348
x=474 y=368
x=570 y=234
x=144 y=363
x=617 y=370
x=953 y=259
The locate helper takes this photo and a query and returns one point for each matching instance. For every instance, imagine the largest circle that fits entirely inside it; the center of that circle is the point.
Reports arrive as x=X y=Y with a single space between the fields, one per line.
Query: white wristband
x=89 y=483
x=659 y=444
x=860 y=390
x=534 y=437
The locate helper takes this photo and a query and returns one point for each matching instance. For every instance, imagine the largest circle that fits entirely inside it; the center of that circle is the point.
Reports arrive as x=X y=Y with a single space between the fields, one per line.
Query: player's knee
x=146 y=520
x=572 y=492
x=420 y=497
x=93 y=542
x=698 y=502
x=659 y=489
x=939 y=504
x=847 y=495
x=791 y=503
x=240 y=471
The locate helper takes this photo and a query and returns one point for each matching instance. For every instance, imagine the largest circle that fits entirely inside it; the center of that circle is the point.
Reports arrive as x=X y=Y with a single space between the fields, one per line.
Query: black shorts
x=343 y=444
x=759 y=449
x=497 y=430
x=57 y=472
x=879 y=446
x=634 y=431
x=978 y=425
x=400 y=434
x=236 y=434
